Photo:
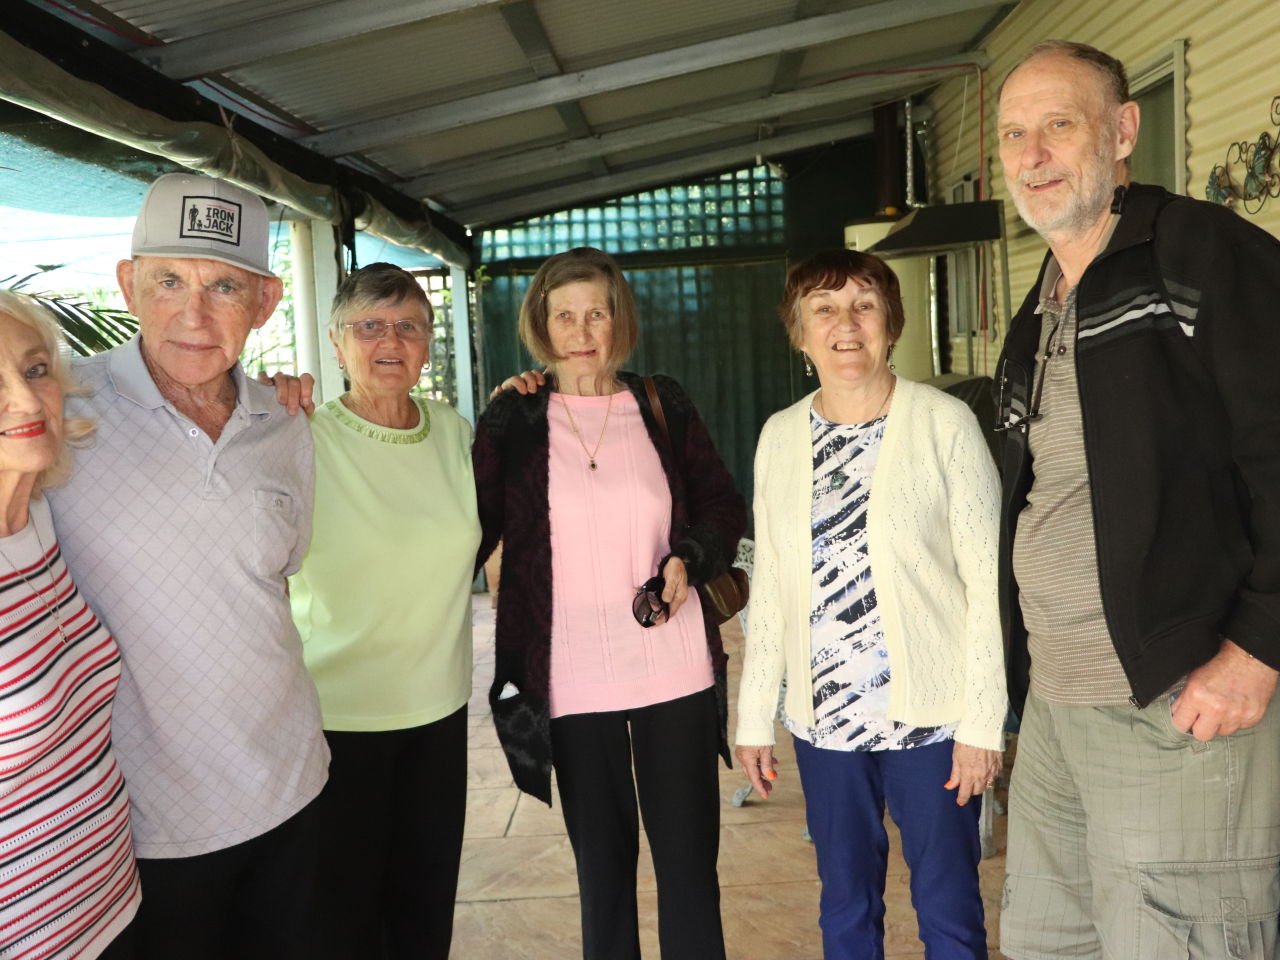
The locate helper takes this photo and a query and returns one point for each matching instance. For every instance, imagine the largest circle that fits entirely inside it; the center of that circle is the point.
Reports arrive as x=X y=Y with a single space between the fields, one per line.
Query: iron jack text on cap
x=193 y=217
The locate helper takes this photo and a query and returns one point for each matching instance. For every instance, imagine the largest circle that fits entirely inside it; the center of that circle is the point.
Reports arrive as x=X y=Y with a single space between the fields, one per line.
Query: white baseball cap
x=193 y=217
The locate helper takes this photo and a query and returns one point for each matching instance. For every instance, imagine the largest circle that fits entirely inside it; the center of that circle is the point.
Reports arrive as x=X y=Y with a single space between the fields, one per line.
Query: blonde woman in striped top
x=68 y=881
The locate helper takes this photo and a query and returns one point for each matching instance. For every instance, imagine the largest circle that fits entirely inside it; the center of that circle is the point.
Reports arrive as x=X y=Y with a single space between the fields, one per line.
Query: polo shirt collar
x=256 y=400
x=1049 y=283
x=132 y=380
x=1053 y=272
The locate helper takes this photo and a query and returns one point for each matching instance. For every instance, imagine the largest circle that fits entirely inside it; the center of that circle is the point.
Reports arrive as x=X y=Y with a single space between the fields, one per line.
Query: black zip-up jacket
x=1178 y=359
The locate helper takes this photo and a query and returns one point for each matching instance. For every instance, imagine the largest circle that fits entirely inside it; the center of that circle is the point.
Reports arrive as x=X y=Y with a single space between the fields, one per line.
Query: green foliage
x=89 y=328
x=273 y=347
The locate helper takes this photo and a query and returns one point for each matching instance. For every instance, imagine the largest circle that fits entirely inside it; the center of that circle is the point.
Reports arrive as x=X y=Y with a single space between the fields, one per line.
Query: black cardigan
x=1175 y=356
x=510 y=456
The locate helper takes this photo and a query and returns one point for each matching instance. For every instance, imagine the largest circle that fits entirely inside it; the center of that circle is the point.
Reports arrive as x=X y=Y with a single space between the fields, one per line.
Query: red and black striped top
x=68 y=880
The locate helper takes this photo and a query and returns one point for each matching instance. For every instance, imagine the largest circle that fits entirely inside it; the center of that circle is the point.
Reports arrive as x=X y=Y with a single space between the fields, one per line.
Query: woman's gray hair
x=76 y=431
x=377 y=283
x=579 y=265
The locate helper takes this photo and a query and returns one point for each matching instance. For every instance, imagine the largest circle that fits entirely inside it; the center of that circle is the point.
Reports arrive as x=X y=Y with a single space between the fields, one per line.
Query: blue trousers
x=845 y=797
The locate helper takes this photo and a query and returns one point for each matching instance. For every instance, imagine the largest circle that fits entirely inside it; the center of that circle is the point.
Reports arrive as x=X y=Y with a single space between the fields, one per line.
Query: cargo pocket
x=1222 y=908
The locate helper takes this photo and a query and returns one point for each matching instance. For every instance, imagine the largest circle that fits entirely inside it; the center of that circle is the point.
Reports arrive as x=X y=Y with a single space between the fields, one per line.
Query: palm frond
x=89 y=328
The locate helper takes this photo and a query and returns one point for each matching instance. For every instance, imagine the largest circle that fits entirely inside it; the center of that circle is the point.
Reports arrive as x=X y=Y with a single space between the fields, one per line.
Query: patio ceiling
x=491 y=111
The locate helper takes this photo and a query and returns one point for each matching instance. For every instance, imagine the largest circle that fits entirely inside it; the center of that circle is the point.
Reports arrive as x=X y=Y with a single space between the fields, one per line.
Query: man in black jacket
x=1140 y=544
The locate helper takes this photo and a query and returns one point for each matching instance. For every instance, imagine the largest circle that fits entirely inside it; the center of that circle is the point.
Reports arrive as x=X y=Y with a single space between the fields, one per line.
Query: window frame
x=967 y=282
x=1170 y=62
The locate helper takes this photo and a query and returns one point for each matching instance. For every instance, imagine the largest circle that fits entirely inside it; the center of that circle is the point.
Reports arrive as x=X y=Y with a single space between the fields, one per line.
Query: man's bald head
x=1066 y=138
x=1110 y=71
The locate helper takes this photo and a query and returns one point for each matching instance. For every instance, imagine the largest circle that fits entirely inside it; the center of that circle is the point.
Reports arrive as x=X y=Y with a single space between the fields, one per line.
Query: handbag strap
x=655 y=405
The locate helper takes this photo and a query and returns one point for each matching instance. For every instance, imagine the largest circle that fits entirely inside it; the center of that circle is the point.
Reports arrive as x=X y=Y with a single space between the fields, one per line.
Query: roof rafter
x=638 y=70
x=526 y=26
x=787 y=73
x=262 y=38
x=529 y=203
x=496 y=167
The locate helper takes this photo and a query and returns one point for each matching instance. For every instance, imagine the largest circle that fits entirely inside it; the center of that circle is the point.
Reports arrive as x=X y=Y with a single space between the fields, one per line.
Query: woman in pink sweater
x=621 y=689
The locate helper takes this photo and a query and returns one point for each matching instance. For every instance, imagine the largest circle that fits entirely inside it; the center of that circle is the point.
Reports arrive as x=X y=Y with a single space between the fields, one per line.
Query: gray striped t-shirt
x=1055 y=555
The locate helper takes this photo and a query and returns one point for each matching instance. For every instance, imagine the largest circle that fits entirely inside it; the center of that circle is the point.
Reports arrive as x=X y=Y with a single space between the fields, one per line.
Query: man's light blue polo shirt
x=182 y=546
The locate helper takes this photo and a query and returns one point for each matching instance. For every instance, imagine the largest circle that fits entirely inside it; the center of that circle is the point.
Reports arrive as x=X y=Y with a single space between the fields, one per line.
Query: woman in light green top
x=383 y=603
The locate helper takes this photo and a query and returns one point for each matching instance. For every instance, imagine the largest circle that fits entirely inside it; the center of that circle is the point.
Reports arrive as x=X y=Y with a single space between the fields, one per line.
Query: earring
x=892 y=366
x=341 y=365
x=808 y=364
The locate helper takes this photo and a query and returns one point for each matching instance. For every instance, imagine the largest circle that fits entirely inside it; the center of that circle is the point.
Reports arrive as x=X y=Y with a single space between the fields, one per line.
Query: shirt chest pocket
x=275 y=531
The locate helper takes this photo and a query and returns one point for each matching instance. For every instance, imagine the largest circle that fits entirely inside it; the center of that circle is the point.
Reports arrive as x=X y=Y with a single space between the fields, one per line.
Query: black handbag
x=728 y=592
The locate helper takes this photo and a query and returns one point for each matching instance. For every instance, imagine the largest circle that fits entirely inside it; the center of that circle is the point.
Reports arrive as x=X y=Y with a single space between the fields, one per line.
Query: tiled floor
x=518 y=897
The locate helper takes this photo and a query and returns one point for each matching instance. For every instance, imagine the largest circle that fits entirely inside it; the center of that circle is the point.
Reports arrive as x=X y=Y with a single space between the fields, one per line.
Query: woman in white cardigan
x=895 y=691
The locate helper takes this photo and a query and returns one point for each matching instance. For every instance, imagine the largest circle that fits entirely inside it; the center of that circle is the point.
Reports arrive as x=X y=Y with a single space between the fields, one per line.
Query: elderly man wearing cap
x=182 y=522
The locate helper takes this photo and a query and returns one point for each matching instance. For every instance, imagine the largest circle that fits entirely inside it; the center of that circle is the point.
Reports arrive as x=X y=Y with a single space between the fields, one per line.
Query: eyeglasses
x=1009 y=418
x=377 y=329
x=648 y=607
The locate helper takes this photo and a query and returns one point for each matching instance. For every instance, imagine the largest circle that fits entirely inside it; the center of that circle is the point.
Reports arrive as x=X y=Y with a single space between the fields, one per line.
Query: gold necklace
x=591 y=454
x=53 y=584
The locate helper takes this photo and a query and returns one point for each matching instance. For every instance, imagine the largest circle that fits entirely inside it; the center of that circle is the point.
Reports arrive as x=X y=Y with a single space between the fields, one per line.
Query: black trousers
x=253 y=900
x=124 y=946
x=665 y=754
x=393 y=813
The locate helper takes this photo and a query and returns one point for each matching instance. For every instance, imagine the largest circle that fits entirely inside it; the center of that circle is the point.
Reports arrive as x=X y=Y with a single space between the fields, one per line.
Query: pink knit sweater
x=609 y=529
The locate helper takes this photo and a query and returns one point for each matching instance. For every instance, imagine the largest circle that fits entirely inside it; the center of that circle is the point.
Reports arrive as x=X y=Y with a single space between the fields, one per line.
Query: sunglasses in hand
x=648 y=607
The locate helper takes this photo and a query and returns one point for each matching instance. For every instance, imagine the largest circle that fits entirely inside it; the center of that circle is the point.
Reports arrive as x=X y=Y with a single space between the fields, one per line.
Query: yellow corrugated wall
x=1233 y=74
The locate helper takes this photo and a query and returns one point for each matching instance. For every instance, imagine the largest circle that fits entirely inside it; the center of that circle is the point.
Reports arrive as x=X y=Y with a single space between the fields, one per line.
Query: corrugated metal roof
x=588 y=33
x=946 y=35
x=416 y=156
x=660 y=152
x=170 y=20
x=571 y=173
x=668 y=97
x=436 y=90
x=384 y=73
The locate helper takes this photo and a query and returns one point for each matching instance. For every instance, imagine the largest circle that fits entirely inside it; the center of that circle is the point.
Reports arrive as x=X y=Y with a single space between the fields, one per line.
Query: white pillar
x=305 y=329
x=325 y=269
x=461 y=314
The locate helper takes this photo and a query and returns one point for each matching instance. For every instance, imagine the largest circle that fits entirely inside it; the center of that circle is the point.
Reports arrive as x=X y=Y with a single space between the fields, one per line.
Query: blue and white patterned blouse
x=850 y=662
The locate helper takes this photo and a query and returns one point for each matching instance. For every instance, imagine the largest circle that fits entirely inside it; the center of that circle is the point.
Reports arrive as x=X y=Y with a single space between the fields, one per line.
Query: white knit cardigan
x=932 y=537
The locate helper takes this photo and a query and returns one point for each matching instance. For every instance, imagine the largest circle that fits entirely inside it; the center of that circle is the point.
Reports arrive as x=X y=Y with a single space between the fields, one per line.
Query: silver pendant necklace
x=838 y=477
x=53 y=584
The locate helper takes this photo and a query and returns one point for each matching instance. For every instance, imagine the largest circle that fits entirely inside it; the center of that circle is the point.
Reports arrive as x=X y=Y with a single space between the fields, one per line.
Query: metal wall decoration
x=1257 y=180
